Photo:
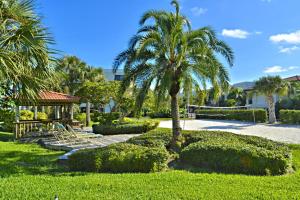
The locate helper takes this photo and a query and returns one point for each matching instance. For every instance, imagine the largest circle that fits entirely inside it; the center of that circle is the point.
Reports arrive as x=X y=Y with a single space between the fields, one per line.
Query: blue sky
x=264 y=34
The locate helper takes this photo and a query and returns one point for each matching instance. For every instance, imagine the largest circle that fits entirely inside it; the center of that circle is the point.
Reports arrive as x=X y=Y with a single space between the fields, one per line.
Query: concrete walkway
x=276 y=132
x=88 y=143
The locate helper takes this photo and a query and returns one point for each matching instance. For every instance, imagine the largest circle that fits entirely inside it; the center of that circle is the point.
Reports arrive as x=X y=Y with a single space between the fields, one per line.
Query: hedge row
x=260 y=115
x=289 y=116
x=126 y=128
x=119 y=158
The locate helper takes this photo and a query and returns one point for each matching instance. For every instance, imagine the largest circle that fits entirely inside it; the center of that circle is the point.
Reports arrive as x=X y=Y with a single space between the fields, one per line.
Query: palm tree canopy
x=25 y=56
x=270 y=85
x=168 y=55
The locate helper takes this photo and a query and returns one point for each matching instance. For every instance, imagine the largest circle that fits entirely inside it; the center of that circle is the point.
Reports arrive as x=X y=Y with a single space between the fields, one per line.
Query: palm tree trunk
x=271 y=105
x=88 y=113
x=175 y=143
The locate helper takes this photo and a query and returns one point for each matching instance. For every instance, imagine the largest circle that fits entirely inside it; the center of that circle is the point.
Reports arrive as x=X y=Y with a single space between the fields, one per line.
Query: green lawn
x=30 y=172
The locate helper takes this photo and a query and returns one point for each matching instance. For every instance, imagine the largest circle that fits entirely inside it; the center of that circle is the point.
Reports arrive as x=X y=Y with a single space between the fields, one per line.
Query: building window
x=119 y=77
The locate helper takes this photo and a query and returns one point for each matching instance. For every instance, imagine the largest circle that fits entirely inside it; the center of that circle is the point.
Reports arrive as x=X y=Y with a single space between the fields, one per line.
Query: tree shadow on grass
x=29 y=163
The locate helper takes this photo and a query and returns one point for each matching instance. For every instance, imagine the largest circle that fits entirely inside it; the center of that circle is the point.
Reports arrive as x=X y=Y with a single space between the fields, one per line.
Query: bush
x=155 y=138
x=289 y=116
x=26 y=115
x=230 y=102
x=105 y=118
x=118 y=158
x=8 y=118
x=242 y=115
x=161 y=113
x=126 y=128
x=42 y=116
x=80 y=117
x=235 y=153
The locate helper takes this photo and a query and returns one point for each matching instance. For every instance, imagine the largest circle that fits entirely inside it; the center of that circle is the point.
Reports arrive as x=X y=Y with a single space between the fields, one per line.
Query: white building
x=258 y=100
x=110 y=76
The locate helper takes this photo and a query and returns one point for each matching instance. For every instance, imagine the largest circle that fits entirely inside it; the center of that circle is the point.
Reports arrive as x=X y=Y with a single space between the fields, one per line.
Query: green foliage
x=42 y=116
x=135 y=127
x=105 y=118
x=239 y=154
x=290 y=103
x=120 y=158
x=290 y=116
x=230 y=102
x=7 y=117
x=80 y=117
x=242 y=115
x=30 y=169
x=155 y=138
x=161 y=113
x=26 y=115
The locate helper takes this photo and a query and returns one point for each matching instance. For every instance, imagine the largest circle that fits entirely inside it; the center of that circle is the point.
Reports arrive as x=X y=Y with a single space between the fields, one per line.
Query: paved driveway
x=277 y=132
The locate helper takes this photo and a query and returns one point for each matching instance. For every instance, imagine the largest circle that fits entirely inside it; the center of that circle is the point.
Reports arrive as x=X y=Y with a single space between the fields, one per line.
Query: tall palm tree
x=165 y=52
x=72 y=72
x=25 y=56
x=92 y=74
x=270 y=86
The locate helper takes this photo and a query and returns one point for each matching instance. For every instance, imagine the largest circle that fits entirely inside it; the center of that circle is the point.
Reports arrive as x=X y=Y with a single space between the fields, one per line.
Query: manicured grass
x=29 y=172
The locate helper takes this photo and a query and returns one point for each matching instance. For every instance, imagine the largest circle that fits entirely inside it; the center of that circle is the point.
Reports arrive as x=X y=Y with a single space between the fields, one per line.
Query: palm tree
x=93 y=75
x=166 y=52
x=25 y=56
x=270 y=86
x=72 y=72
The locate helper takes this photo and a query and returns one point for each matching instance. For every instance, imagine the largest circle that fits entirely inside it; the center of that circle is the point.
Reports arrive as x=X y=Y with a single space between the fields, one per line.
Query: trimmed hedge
x=155 y=138
x=235 y=153
x=241 y=115
x=26 y=115
x=105 y=118
x=289 y=116
x=126 y=128
x=120 y=158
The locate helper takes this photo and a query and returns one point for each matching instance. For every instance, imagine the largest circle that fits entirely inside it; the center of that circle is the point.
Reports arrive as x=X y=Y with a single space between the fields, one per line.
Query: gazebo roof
x=50 y=97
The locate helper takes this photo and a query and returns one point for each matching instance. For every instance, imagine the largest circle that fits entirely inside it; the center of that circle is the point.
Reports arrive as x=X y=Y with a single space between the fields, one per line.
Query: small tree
x=269 y=86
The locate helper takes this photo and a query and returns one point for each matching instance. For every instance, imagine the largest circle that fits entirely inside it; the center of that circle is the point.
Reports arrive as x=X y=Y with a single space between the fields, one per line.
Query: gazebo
x=63 y=110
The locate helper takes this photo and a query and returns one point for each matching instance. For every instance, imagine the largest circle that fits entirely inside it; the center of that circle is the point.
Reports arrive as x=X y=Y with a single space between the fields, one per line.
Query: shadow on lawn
x=29 y=163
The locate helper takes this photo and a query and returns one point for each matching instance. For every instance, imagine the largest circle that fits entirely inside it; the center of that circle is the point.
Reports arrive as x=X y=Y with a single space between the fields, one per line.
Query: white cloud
x=197 y=11
x=288 y=49
x=292 y=38
x=257 y=32
x=235 y=33
x=266 y=1
x=278 y=69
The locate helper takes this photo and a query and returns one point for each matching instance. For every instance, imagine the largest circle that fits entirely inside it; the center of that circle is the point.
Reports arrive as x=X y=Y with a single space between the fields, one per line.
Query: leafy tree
x=269 y=86
x=238 y=95
x=25 y=56
x=165 y=52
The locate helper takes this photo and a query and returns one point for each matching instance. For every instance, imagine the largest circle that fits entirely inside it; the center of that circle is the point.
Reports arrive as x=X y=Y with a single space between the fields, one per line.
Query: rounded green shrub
x=42 y=116
x=238 y=154
x=26 y=115
x=105 y=118
x=118 y=158
x=8 y=118
x=80 y=117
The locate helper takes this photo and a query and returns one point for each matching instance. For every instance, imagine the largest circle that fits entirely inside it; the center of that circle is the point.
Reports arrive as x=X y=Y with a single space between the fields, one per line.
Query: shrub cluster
x=80 y=117
x=7 y=117
x=119 y=158
x=242 y=115
x=155 y=138
x=235 y=153
x=105 y=118
x=289 y=116
x=26 y=115
x=135 y=127
x=165 y=113
x=42 y=116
